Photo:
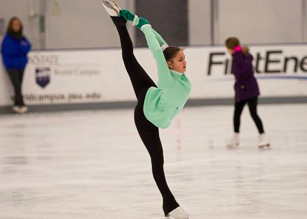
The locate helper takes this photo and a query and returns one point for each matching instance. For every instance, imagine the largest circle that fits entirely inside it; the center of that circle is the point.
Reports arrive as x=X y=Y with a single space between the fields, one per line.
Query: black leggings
x=148 y=132
x=252 y=104
x=16 y=77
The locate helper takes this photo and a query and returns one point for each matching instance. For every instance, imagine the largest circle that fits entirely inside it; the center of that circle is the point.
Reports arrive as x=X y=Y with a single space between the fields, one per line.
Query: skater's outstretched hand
x=129 y=16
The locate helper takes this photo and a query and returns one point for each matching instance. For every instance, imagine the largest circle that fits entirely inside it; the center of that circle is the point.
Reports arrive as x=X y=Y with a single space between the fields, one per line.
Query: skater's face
x=178 y=63
x=16 y=26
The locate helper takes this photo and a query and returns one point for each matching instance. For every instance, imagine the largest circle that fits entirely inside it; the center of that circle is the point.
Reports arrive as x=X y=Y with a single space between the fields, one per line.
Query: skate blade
x=111 y=5
x=117 y=5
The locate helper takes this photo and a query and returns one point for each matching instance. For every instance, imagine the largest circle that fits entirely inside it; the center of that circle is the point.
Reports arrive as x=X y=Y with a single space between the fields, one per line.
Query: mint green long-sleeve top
x=164 y=102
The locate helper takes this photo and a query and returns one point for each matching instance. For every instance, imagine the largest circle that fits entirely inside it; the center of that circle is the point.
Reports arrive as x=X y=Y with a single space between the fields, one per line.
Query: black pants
x=148 y=132
x=16 y=77
x=252 y=104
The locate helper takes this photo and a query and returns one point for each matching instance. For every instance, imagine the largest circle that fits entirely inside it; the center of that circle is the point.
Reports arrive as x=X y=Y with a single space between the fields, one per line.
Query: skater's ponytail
x=245 y=50
x=170 y=53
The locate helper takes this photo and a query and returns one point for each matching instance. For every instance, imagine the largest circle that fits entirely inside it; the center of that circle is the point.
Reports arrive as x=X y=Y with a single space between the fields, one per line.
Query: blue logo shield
x=43 y=76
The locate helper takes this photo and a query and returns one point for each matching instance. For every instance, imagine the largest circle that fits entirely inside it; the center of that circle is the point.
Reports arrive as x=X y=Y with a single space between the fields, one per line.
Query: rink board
x=98 y=76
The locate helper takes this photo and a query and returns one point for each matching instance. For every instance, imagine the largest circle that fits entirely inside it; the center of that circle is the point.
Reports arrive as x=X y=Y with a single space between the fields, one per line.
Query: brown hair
x=10 y=26
x=170 y=52
x=233 y=42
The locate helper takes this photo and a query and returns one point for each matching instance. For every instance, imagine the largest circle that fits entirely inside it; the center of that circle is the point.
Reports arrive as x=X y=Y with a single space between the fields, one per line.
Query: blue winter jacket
x=14 y=52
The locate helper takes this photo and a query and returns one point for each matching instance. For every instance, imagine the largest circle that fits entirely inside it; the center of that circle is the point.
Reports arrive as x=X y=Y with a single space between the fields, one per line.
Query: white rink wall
x=95 y=76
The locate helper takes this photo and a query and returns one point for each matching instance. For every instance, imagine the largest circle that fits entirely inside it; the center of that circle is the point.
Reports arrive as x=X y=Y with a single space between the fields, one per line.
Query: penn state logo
x=43 y=76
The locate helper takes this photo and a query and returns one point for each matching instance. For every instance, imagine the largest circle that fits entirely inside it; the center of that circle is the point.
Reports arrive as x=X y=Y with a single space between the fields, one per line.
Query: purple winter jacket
x=246 y=86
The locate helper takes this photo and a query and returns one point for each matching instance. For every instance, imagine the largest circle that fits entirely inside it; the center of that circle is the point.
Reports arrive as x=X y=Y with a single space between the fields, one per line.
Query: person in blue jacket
x=14 y=50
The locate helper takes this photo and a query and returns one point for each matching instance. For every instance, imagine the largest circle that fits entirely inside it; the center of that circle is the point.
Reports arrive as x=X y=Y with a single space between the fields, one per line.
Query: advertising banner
x=89 y=76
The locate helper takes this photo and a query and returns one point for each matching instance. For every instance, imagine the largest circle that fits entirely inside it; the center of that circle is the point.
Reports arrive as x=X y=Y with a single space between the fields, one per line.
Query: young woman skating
x=157 y=104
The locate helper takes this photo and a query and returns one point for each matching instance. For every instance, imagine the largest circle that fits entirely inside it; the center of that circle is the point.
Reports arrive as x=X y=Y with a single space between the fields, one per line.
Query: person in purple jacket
x=246 y=90
x=14 y=50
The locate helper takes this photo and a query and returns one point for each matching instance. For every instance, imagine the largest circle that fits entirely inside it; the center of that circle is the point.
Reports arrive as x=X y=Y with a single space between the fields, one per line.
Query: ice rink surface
x=92 y=164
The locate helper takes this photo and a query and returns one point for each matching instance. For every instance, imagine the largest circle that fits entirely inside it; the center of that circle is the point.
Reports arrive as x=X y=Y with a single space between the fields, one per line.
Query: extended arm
x=161 y=41
x=154 y=46
x=154 y=42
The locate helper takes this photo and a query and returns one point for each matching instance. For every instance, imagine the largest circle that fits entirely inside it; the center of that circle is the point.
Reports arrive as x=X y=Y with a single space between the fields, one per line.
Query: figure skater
x=157 y=104
x=246 y=90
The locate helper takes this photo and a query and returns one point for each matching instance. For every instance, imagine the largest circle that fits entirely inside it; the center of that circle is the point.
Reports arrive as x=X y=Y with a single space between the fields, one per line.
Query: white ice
x=92 y=164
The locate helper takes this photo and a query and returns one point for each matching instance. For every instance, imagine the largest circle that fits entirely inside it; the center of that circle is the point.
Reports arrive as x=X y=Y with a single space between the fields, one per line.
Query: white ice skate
x=20 y=109
x=23 y=109
x=263 y=142
x=15 y=109
x=234 y=141
x=177 y=213
x=111 y=7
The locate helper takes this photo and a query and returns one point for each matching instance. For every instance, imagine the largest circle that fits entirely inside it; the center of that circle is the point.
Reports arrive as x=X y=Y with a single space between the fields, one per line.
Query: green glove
x=127 y=15
x=142 y=21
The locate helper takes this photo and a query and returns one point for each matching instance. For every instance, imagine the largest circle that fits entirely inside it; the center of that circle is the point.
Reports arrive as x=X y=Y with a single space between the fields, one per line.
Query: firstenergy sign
x=266 y=61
